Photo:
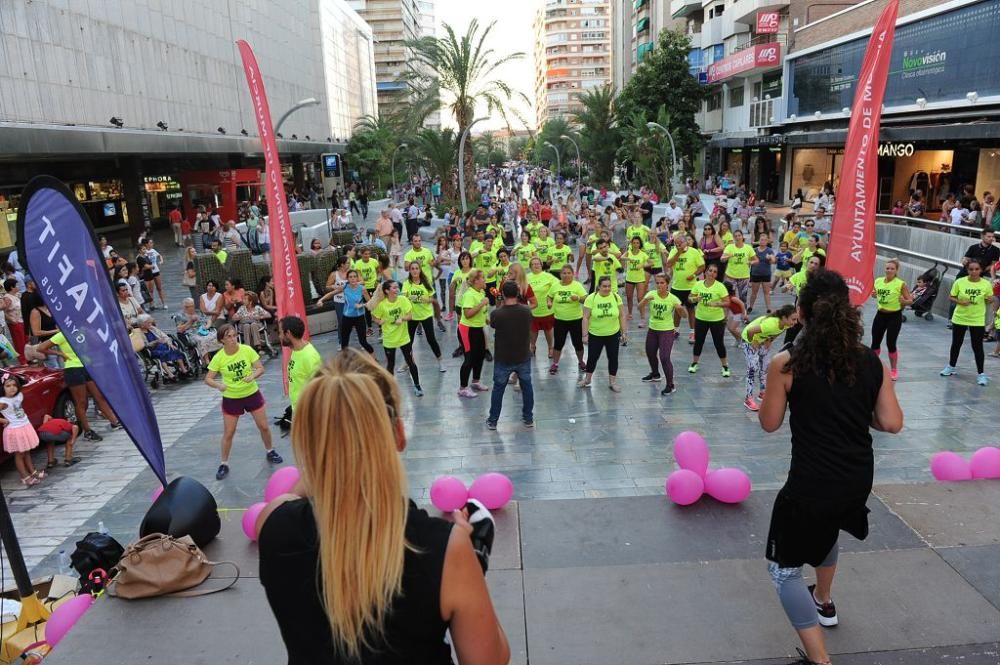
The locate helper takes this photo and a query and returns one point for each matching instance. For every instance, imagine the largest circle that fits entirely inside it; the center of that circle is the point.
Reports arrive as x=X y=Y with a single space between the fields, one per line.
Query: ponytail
x=831 y=343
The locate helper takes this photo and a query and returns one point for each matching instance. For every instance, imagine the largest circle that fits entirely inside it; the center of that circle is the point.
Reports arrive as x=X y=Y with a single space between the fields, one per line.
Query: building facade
x=635 y=26
x=121 y=100
x=572 y=54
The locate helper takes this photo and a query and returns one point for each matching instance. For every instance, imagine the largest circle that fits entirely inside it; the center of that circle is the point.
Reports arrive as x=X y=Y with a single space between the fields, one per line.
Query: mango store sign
x=760 y=55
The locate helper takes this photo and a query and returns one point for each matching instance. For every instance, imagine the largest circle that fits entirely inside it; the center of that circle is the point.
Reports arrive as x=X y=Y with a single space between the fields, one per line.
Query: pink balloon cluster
x=984 y=463
x=281 y=482
x=687 y=485
x=493 y=490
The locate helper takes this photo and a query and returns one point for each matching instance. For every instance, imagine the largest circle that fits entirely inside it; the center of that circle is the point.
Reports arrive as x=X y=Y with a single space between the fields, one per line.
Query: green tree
x=370 y=149
x=663 y=80
x=436 y=151
x=486 y=146
x=599 y=136
x=551 y=132
x=461 y=76
x=646 y=149
x=517 y=147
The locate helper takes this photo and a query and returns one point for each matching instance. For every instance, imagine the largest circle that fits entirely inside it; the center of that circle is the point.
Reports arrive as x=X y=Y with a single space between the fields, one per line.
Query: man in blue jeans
x=512 y=322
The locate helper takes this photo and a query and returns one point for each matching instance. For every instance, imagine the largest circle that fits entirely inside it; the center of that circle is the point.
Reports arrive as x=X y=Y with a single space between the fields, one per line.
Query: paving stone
x=948 y=514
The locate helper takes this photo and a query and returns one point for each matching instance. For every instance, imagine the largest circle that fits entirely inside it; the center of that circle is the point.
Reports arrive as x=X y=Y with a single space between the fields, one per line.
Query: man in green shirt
x=305 y=359
x=421 y=255
x=219 y=252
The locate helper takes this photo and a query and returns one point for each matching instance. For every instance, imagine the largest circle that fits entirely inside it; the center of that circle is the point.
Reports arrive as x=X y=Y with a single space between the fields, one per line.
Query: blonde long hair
x=516 y=274
x=344 y=440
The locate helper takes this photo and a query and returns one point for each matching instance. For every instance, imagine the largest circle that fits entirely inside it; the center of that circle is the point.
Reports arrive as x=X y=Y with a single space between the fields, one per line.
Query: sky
x=514 y=31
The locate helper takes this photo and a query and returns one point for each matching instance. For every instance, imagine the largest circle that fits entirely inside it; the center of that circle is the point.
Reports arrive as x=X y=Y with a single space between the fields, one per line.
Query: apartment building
x=572 y=54
x=393 y=23
x=635 y=27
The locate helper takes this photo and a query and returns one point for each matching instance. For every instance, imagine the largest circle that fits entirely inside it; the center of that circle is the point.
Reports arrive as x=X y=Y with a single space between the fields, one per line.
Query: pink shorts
x=542 y=323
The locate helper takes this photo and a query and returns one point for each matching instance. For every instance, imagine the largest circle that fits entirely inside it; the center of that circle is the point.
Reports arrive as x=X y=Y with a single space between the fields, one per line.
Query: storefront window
x=734 y=165
x=988 y=174
x=811 y=169
x=929 y=171
x=163 y=193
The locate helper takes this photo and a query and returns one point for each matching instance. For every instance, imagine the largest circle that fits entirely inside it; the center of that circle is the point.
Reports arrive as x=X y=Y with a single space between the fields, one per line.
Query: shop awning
x=642 y=25
x=642 y=50
x=946 y=132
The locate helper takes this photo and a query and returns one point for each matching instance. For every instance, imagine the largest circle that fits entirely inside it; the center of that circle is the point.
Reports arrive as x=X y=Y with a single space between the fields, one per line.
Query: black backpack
x=96 y=550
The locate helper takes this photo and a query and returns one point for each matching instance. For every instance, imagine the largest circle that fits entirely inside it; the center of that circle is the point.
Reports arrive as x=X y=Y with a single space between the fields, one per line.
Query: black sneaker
x=117 y=426
x=803 y=659
x=827 y=611
x=651 y=378
x=488 y=357
x=273 y=457
x=669 y=390
x=458 y=353
x=528 y=423
x=91 y=435
x=490 y=425
x=222 y=472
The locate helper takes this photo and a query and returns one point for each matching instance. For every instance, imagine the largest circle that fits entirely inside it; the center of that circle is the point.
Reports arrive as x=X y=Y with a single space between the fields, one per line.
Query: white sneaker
x=467 y=392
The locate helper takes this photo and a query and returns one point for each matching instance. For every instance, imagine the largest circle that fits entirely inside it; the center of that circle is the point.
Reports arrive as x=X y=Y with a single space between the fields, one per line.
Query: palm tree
x=460 y=69
x=598 y=128
x=551 y=131
x=436 y=150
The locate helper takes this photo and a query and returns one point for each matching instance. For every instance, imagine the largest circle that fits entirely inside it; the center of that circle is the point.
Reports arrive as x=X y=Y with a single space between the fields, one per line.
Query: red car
x=44 y=394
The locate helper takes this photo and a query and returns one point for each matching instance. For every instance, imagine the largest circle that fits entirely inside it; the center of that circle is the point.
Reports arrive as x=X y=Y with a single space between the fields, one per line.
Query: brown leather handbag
x=161 y=565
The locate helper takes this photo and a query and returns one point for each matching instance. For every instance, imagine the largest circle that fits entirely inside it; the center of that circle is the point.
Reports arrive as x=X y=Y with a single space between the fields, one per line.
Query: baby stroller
x=923 y=301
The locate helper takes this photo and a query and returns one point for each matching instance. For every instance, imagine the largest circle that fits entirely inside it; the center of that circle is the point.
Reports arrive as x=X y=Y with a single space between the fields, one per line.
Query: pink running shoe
x=467 y=392
x=893 y=374
x=750 y=404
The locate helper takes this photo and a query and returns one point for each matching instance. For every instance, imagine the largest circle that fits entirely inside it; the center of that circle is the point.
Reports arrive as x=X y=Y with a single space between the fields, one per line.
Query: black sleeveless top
x=832 y=455
x=414 y=630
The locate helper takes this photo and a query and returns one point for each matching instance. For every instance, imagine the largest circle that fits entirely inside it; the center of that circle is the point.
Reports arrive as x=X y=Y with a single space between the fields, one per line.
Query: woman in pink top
x=710 y=245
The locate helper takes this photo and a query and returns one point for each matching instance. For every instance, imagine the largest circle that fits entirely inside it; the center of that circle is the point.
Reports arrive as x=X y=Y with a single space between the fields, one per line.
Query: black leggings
x=976 y=334
x=428 y=326
x=718 y=330
x=475 y=354
x=572 y=328
x=598 y=343
x=354 y=323
x=888 y=325
x=390 y=361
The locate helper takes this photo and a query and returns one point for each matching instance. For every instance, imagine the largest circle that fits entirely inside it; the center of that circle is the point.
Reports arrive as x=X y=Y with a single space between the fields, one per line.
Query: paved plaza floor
x=593 y=564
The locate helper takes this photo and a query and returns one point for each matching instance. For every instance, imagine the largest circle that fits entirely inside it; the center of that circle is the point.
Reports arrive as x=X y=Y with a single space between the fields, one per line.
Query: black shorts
x=760 y=279
x=803 y=531
x=75 y=376
x=683 y=296
x=653 y=270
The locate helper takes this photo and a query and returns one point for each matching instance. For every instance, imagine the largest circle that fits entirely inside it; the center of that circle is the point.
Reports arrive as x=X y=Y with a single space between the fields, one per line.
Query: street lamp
x=655 y=126
x=558 y=168
x=401 y=145
x=564 y=137
x=309 y=101
x=461 y=162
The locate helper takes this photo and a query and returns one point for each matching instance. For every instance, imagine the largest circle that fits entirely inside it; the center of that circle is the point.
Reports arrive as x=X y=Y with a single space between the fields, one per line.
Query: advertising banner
x=284 y=266
x=760 y=55
x=56 y=244
x=768 y=22
x=852 y=237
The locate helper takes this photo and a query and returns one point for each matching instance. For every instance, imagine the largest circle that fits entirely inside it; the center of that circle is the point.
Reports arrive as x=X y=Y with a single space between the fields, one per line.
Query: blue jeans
x=501 y=372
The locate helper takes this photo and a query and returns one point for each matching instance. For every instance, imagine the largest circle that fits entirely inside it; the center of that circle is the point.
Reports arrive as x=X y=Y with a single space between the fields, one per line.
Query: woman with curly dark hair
x=832 y=465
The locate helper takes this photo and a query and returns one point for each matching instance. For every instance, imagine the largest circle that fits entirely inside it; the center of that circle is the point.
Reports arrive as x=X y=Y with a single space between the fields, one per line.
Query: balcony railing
x=762 y=113
x=745 y=41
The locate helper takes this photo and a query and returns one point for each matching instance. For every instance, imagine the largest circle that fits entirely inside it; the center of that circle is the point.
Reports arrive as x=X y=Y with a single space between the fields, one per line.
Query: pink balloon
x=691 y=452
x=64 y=617
x=281 y=482
x=728 y=485
x=985 y=463
x=684 y=487
x=250 y=520
x=157 y=492
x=493 y=490
x=448 y=493
x=949 y=466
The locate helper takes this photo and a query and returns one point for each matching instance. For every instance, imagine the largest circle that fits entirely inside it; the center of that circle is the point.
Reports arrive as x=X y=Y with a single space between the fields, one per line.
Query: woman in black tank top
x=834 y=388
x=354 y=572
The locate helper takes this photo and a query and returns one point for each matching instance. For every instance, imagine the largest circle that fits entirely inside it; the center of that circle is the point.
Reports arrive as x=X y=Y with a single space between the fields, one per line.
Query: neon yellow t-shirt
x=541 y=283
x=661 y=310
x=707 y=294
x=612 y=249
x=887 y=294
x=544 y=247
x=415 y=293
x=424 y=257
x=978 y=294
x=471 y=298
x=604 y=313
x=634 y=267
x=726 y=238
x=637 y=231
x=563 y=306
x=738 y=265
x=685 y=267
x=475 y=247
x=770 y=327
x=523 y=253
x=808 y=254
x=458 y=278
x=655 y=258
x=486 y=261
x=395 y=332
x=798 y=280
x=302 y=364
x=233 y=368
x=501 y=272
x=72 y=360
x=559 y=256
x=368 y=271
x=533 y=228
x=605 y=267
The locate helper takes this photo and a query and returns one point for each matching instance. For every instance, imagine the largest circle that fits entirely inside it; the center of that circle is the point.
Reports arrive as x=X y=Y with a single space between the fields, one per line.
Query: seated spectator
x=231 y=238
x=211 y=302
x=412 y=577
x=197 y=328
x=131 y=310
x=248 y=320
x=221 y=254
x=56 y=430
x=160 y=346
x=265 y=292
x=232 y=297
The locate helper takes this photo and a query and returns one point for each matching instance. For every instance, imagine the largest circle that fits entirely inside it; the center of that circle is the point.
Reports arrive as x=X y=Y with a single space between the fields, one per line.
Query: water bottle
x=103 y=530
x=64 y=564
